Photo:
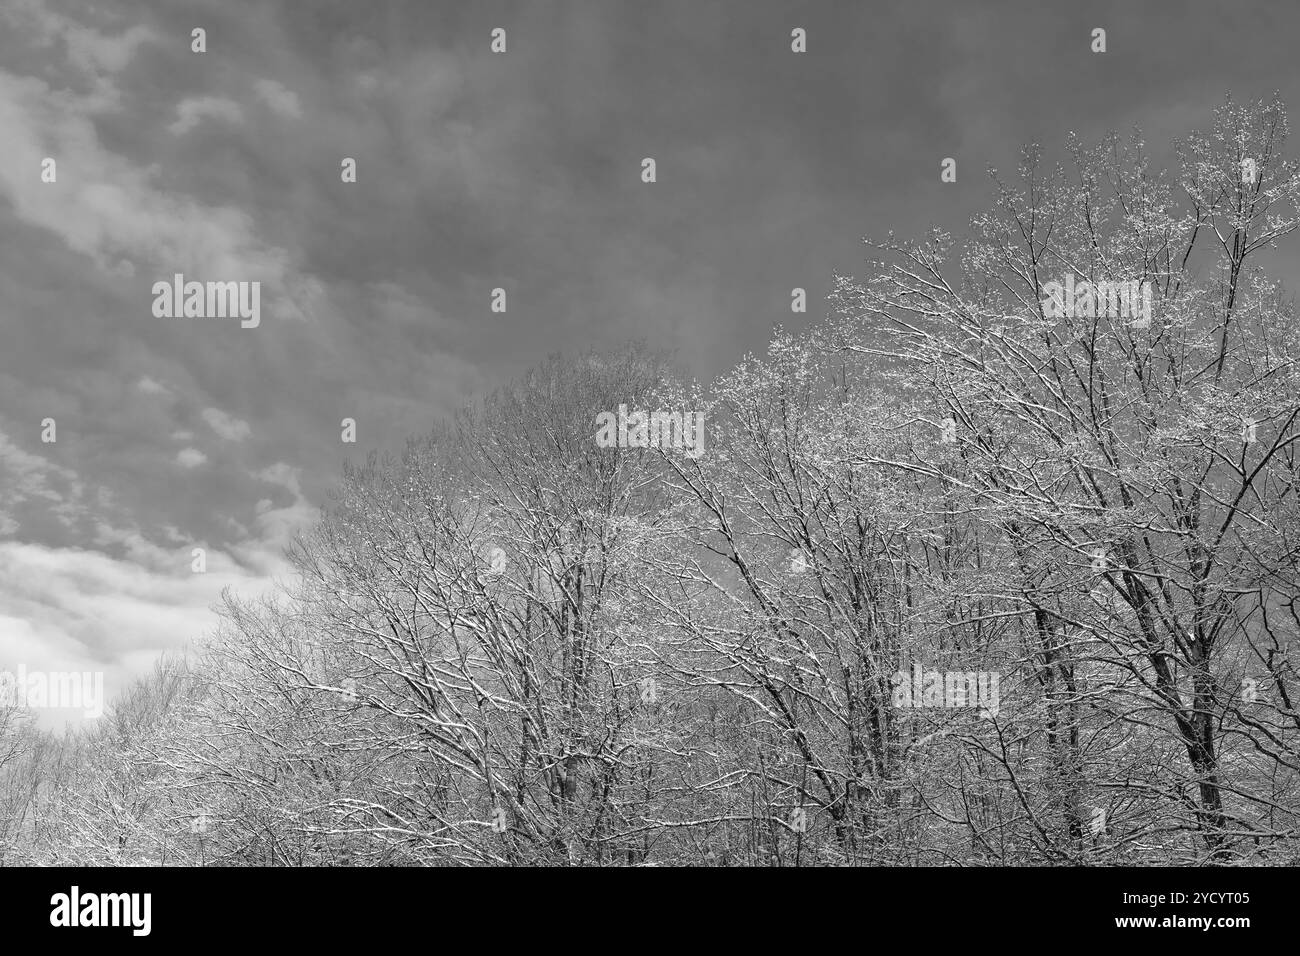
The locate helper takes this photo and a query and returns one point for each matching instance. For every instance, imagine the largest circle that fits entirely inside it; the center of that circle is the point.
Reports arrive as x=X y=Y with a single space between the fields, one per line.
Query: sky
x=475 y=170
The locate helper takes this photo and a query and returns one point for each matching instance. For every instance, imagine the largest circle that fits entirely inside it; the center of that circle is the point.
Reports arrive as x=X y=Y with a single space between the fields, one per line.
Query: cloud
x=227 y=426
x=114 y=211
x=96 y=54
x=28 y=479
x=28 y=474
x=279 y=98
x=151 y=387
x=279 y=525
x=116 y=602
x=190 y=458
x=190 y=112
x=76 y=609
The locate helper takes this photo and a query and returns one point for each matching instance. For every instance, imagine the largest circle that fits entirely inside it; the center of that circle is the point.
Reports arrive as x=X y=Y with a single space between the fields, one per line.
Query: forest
x=956 y=578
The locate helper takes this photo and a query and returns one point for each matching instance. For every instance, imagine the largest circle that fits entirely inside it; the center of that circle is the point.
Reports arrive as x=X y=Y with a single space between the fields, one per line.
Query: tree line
x=513 y=644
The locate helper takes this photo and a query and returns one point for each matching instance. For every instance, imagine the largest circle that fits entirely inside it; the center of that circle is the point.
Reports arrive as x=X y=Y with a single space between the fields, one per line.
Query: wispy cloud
x=190 y=458
x=280 y=99
x=190 y=112
x=151 y=387
x=227 y=426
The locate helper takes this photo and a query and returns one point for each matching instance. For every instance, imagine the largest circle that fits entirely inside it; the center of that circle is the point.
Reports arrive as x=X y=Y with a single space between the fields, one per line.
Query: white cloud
x=279 y=525
x=94 y=53
x=151 y=387
x=192 y=110
x=286 y=476
x=28 y=474
x=279 y=98
x=227 y=426
x=112 y=210
x=190 y=458
x=115 y=604
x=77 y=610
x=26 y=477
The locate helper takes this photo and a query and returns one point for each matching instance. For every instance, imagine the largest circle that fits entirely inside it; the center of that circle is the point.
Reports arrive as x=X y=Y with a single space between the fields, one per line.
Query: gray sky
x=475 y=170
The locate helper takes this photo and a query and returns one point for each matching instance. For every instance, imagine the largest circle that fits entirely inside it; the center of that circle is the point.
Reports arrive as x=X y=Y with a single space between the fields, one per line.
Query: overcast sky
x=474 y=170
